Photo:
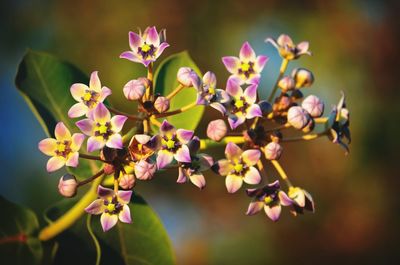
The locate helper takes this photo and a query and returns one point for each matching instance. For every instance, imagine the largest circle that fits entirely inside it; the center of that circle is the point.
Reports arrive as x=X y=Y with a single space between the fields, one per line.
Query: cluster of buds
x=255 y=135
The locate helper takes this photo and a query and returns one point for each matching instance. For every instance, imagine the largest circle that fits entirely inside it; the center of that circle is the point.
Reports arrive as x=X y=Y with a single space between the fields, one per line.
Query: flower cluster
x=255 y=136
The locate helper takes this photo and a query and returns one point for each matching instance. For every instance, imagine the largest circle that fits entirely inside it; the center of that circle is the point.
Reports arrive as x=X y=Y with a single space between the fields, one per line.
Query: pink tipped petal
x=223 y=167
x=125 y=215
x=162 y=47
x=284 y=199
x=77 y=140
x=117 y=122
x=250 y=94
x=55 y=163
x=48 y=146
x=303 y=47
x=247 y=53
x=164 y=158
x=152 y=37
x=273 y=212
x=96 y=207
x=251 y=156
x=233 y=88
x=61 y=132
x=219 y=107
x=253 y=111
x=130 y=56
x=198 y=180
x=260 y=63
x=135 y=41
x=166 y=127
x=101 y=113
x=108 y=221
x=210 y=79
x=231 y=63
x=232 y=151
x=115 y=141
x=95 y=143
x=252 y=176
x=77 y=110
x=184 y=136
x=105 y=92
x=233 y=183
x=95 y=82
x=86 y=126
x=235 y=121
x=181 y=176
x=285 y=40
x=104 y=193
x=142 y=138
x=124 y=196
x=78 y=90
x=254 y=207
x=183 y=154
x=72 y=161
x=206 y=161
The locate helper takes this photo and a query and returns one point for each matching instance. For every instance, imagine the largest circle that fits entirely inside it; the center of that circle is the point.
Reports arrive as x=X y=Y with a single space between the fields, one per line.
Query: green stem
x=281 y=172
x=174 y=112
x=131 y=117
x=175 y=91
x=281 y=73
x=306 y=137
x=207 y=143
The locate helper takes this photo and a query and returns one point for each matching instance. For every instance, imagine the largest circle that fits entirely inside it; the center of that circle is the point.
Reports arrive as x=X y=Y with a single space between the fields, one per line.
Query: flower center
x=111 y=207
x=238 y=168
x=170 y=144
x=211 y=90
x=146 y=50
x=239 y=103
x=63 y=148
x=104 y=130
x=268 y=199
x=90 y=98
x=246 y=69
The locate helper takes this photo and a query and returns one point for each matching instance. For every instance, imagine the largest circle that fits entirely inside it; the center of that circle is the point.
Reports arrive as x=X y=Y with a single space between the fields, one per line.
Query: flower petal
x=284 y=40
x=108 y=221
x=183 y=154
x=232 y=151
x=247 y=53
x=95 y=83
x=135 y=41
x=273 y=212
x=164 y=158
x=160 y=49
x=117 y=122
x=236 y=120
x=210 y=79
x=219 y=107
x=233 y=183
x=166 y=127
x=198 y=180
x=96 y=207
x=302 y=48
x=61 y=132
x=115 y=141
x=105 y=92
x=254 y=207
x=124 y=196
x=152 y=37
x=260 y=63
x=251 y=156
x=222 y=167
x=72 y=161
x=125 y=215
x=253 y=111
x=273 y=42
x=252 y=176
x=181 y=176
x=142 y=138
x=77 y=110
x=131 y=56
x=77 y=140
x=55 y=163
x=78 y=90
x=206 y=161
x=48 y=146
x=284 y=199
x=101 y=113
x=250 y=94
x=231 y=63
x=104 y=193
x=86 y=126
x=233 y=88
x=184 y=136
x=95 y=143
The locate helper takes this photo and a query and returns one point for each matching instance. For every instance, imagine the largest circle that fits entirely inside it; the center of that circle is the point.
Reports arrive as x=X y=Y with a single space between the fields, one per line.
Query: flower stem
x=131 y=117
x=146 y=126
x=69 y=218
x=207 y=143
x=149 y=91
x=282 y=70
x=90 y=157
x=306 y=137
x=183 y=109
x=155 y=122
x=88 y=180
x=175 y=91
x=321 y=120
x=281 y=172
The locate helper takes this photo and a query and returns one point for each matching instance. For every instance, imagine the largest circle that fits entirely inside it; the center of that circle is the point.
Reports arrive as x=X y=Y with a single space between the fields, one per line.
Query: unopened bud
x=313 y=105
x=216 y=130
x=286 y=83
x=161 y=104
x=273 y=151
x=298 y=117
x=302 y=77
x=67 y=186
x=265 y=107
x=188 y=77
x=135 y=89
x=145 y=170
x=127 y=181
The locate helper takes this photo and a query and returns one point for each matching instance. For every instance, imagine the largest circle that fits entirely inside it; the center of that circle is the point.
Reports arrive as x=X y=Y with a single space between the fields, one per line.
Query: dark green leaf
x=18 y=243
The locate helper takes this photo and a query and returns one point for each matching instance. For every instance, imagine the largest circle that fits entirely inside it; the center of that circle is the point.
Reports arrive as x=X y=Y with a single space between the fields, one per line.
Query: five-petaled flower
x=247 y=67
x=146 y=47
x=271 y=198
x=173 y=144
x=287 y=49
x=112 y=206
x=102 y=129
x=208 y=94
x=302 y=200
x=238 y=167
x=242 y=105
x=63 y=149
x=88 y=97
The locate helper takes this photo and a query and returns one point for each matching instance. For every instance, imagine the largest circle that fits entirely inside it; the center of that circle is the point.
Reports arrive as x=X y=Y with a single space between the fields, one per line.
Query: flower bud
x=67 y=186
x=188 y=77
x=216 y=130
x=302 y=77
x=161 y=104
x=127 y=181
x=273 y=151
x=145 y=170
x=286 y=83
x=313 y=105
x=108 y=169
x=135 y=89
x=265 y=107
x=298 y=117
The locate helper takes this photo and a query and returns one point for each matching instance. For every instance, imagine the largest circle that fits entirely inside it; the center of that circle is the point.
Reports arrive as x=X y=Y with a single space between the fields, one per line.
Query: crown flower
x=287 y=49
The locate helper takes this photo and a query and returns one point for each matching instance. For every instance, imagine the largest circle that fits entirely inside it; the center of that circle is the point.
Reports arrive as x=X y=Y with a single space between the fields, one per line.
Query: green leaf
x=18 y=227
x=144 y=242
x=166 y=82
x=44 y=81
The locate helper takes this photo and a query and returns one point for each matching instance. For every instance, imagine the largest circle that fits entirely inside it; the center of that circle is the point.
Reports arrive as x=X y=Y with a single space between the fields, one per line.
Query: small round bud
x=265 y=107
x=310 y=126
x=286 y=83
x=127 y=181
x=161 y=104
x=109 y=169
x=302 y=77
x=297 y=117
x=313 y=105
x=273 y=151
x=67 y=186
x=216 y=130
x=135 y=89
x=188 y=77
x=145 y=170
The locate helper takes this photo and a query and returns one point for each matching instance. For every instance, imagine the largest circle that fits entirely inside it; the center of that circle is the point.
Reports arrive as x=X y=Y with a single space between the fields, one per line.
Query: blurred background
x=355 y=47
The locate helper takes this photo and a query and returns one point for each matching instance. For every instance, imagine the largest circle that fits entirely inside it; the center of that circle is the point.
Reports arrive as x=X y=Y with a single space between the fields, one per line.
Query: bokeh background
x=355 y=47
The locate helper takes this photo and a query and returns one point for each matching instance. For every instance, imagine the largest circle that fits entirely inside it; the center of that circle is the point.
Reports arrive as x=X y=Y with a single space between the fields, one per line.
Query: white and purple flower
x=146 y=47
x=112 y=206
x=102 y=129
x=287 y=49
x=302 y=200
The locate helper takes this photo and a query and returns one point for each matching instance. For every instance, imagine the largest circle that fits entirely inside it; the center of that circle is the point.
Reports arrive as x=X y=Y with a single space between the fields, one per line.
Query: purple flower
x=271 y=198
x=208 y=94
x=302 y=200
x=102 y=129
x=146 y=47
x=238 y=167
x=112 y=206
x=88 y=97
x=63 y=149
x=287 y=49
x=173 y=145
x=242 y=104
x=247 y=67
